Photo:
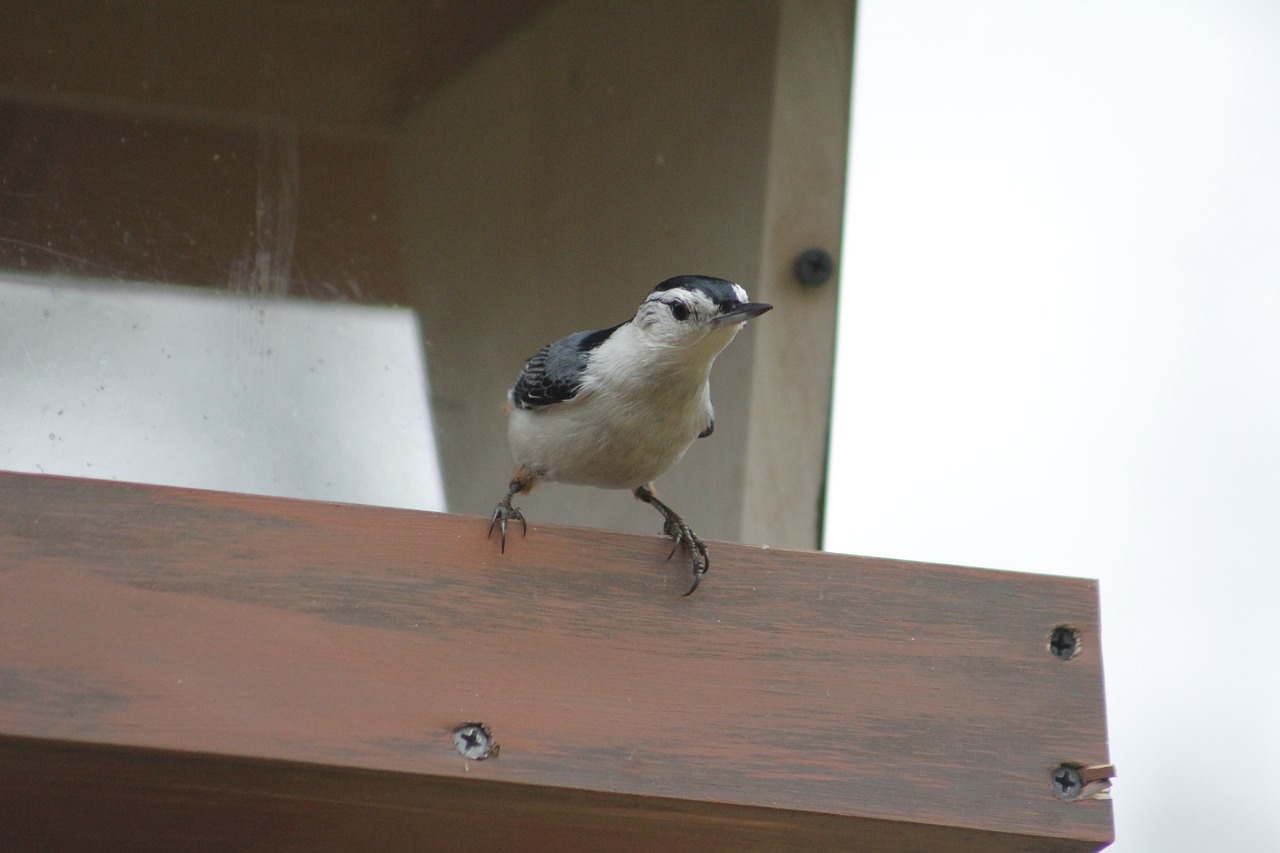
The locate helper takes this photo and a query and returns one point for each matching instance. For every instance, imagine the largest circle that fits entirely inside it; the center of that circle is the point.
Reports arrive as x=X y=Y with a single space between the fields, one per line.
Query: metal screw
x=1064 y=642
x=1067 y=782
x=475 y=741
x=813 y=266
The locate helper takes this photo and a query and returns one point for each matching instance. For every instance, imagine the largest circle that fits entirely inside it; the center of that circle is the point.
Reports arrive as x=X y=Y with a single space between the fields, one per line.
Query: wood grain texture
x=294 y=670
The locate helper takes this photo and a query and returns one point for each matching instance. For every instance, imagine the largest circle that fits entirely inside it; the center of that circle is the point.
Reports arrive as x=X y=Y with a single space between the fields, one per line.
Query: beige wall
x=588 y=156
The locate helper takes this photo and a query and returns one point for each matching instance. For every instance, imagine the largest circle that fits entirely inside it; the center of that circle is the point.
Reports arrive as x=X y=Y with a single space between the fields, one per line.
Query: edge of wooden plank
x=57 y=795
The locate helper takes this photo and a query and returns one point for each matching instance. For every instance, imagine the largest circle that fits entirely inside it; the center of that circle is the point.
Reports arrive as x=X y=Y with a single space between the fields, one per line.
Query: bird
x=615 y=408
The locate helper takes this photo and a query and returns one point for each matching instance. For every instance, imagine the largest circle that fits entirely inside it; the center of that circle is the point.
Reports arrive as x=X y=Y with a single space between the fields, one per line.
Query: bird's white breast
x=639 y=410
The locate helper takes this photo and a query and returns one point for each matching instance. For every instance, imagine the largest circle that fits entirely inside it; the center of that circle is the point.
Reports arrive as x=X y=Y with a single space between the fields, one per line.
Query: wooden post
x=199 y=670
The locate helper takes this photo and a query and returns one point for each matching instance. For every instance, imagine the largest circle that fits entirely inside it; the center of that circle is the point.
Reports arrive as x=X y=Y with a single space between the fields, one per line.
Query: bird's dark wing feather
x=554 y=373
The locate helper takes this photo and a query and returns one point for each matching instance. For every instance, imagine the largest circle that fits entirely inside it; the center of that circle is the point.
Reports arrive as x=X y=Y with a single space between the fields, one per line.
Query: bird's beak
x=741 y=313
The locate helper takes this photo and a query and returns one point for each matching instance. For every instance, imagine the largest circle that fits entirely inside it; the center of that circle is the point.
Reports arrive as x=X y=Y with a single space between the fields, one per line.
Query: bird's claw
x=683 y=536
x=503 y=513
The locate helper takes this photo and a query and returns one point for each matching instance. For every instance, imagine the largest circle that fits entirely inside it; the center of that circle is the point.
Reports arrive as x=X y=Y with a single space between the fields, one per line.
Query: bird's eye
x=680 y=311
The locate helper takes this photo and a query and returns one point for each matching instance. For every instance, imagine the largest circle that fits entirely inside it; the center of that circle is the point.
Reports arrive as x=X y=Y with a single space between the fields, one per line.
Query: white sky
x=1060 y=352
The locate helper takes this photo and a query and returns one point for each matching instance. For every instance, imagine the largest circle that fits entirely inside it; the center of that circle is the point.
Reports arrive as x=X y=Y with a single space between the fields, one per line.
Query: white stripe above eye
x=740 y=293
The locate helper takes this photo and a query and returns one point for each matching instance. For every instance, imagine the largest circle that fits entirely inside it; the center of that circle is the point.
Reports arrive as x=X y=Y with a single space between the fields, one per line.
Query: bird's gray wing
x=554 y=374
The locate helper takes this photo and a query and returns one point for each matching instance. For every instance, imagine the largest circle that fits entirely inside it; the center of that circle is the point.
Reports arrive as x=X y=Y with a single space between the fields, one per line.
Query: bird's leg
x=683 y=535
x=521 y=481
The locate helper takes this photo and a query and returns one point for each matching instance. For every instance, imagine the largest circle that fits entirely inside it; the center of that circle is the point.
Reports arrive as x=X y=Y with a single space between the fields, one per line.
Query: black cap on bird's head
x=729 y=298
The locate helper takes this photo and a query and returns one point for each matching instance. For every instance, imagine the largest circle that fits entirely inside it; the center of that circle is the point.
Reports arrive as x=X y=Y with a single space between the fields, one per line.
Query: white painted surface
x=188 y=387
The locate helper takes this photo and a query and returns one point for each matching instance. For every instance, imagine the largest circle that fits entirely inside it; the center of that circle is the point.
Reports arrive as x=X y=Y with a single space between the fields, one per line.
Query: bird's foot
x=521 y=481
x=682 y=536
x=502 y=514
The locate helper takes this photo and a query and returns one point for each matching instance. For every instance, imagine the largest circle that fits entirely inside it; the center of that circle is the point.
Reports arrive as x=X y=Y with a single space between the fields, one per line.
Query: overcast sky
x=1060 y=352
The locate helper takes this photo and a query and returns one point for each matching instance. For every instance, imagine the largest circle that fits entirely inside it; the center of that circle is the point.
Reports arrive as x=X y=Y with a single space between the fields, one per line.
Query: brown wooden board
x=184 y=668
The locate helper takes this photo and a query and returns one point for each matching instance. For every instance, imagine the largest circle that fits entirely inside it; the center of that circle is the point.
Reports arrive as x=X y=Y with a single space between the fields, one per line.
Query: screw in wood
x=1064 y=642
x=1067 y=782
x=813 y=266
x=475 y=741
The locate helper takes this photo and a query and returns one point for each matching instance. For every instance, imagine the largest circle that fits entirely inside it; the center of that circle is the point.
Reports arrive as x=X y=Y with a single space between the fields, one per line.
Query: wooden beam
x=184 y=669
x=793 y=357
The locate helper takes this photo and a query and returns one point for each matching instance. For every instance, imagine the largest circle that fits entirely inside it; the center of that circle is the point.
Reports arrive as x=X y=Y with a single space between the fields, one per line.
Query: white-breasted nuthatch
x=617 y=407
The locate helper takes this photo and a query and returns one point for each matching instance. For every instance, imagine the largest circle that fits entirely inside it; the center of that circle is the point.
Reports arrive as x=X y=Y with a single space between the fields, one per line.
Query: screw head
x=813 y=266
x=1067 y=782
x=1064 y=642
x=475 y=741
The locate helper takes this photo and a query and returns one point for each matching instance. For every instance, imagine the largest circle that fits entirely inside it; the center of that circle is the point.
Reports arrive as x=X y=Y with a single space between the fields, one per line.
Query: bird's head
x=696 y=311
